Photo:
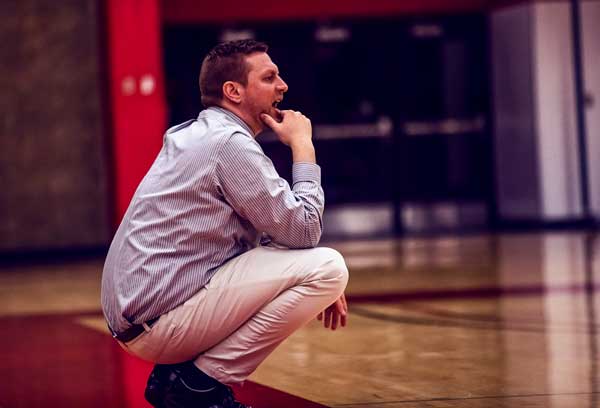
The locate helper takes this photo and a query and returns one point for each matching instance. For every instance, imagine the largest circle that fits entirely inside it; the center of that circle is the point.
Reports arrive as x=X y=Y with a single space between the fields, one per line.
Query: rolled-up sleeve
x=250 y=184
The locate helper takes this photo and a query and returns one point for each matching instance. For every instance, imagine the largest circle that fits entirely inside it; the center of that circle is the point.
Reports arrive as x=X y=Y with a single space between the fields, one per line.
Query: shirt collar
x=233 y=117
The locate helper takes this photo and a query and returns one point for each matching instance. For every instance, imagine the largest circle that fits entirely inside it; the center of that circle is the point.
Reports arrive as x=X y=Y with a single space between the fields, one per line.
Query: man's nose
x=282 y=86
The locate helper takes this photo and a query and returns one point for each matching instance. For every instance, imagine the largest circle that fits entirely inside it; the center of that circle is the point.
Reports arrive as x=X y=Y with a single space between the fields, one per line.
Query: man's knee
x=332 y=266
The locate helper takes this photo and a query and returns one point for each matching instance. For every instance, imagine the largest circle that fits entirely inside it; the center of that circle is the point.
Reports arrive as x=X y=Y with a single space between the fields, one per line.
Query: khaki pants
x=252 y=303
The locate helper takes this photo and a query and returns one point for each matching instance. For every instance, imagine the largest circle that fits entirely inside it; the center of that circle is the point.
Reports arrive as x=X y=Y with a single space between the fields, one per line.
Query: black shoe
x=155 y=387
x=229 y=400
x=177 y=394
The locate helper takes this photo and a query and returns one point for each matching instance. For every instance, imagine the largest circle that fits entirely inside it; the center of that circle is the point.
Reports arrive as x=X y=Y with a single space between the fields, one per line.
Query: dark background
x=381 y=70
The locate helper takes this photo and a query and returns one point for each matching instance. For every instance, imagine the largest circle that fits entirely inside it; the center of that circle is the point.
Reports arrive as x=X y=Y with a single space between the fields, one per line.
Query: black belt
x=133 y=331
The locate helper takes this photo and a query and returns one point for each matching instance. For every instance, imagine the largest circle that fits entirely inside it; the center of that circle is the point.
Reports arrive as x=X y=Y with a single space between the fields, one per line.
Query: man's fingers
x=343 y=303
x=334 y=321
x=327 y=321
x=343 y=297
x=339 y=305
x=269 y=121
x=335 y=315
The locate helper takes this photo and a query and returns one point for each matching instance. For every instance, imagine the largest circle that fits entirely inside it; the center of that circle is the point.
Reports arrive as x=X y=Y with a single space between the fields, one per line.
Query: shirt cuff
x=302 y=171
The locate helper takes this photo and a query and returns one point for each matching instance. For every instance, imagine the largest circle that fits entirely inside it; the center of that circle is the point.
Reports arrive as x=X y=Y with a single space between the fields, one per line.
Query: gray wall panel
x=517 y=174
x=590 y=36
x=52 y=136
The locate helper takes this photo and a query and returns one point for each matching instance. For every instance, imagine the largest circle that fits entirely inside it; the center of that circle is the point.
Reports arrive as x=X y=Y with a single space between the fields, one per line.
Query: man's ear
x=233 y=92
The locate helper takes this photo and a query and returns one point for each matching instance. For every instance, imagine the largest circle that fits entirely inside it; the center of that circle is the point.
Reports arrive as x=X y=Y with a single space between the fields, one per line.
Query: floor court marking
x=470 y=293
x=363 y=312
x=484 y=318
x=471 y=398
x=468 y=324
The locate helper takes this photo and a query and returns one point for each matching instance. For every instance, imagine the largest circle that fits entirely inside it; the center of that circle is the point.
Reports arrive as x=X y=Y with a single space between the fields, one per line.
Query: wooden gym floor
x=467 y=322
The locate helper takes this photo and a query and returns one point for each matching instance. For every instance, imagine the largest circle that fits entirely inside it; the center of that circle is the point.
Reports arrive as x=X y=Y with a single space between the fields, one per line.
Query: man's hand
x=336 y=314
x=294 y=130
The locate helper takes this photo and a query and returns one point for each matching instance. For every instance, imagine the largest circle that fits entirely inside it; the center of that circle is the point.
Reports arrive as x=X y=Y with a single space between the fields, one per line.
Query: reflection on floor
x=487 y=321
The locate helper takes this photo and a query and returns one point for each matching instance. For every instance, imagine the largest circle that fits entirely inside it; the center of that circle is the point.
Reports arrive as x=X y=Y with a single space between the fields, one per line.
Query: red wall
x=136 y=93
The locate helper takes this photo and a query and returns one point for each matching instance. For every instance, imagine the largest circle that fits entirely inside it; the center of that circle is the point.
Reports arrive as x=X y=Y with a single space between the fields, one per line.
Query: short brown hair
x=225 y=62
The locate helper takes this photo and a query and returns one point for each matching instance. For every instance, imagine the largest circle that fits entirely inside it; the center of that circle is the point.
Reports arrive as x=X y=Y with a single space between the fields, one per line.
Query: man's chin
x=275 y=114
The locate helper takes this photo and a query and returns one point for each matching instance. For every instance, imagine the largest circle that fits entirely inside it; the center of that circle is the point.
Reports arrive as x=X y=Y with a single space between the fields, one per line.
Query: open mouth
x=276 y=103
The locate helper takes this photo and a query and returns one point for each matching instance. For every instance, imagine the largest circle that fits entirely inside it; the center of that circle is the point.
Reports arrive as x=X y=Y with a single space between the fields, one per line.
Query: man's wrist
x=303 y=152
x=301 y=143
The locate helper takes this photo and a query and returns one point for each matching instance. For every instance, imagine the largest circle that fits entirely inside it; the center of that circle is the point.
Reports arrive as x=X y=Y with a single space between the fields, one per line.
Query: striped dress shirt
x=209 y=196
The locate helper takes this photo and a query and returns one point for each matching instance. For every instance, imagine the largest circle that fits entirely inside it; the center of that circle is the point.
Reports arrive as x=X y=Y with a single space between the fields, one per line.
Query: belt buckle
x=112 y=332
